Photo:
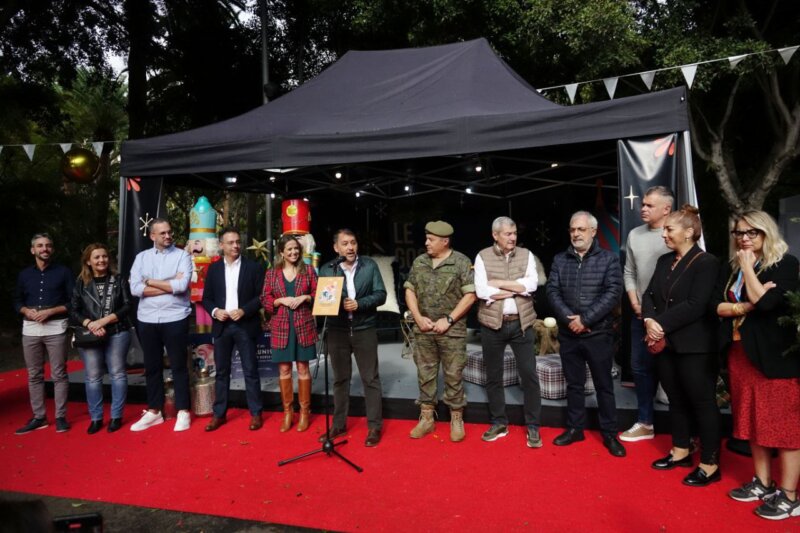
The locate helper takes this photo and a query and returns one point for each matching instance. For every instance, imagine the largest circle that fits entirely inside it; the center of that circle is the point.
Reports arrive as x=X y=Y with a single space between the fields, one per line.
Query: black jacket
x=370 y=294
x=590 y=287
x=86 y=303
x=680 y=301
x=764 y=340
x=251 y=283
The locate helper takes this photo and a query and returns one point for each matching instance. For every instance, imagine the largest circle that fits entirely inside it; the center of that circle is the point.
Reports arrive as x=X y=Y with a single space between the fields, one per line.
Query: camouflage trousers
x=451 y=352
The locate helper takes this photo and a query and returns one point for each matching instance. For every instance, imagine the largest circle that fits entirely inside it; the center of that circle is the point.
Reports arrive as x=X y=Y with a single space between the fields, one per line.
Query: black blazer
x=251 y=282
x=680 y=299
x=764 y=340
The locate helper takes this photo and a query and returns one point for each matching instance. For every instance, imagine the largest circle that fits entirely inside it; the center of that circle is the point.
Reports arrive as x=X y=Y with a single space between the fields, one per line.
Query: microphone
x=338 y=261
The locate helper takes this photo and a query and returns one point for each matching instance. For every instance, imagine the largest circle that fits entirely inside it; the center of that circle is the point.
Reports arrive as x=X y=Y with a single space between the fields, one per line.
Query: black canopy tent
x=381 y=109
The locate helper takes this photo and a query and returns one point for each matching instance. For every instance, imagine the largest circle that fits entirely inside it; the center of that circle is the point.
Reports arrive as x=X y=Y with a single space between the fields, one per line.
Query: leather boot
x=426 y=424
x=457 y=425
x=287 y=398
x=304 y=397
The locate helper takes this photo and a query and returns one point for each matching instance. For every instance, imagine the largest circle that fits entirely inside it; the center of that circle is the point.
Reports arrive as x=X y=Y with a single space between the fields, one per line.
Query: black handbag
x=82 y=337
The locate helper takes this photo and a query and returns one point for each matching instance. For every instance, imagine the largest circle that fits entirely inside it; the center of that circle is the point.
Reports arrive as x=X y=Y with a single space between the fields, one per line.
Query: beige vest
x=497 y=267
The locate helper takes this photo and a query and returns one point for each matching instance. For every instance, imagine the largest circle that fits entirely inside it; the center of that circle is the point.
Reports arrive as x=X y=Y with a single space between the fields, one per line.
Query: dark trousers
x=234 y=335
x=154 y=338
x=598 y=352
x=494 y=343
x=362 y=344
x=690 y=381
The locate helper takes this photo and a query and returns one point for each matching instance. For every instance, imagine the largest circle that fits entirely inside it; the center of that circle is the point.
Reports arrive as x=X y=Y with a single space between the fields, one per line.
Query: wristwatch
x=450 y=320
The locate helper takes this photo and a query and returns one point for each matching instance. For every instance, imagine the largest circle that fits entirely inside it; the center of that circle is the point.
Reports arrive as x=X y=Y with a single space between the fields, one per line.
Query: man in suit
x=231 y=297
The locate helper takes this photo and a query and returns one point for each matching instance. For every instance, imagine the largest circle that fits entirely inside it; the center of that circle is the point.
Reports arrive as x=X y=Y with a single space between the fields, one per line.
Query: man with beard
x=584 y=287
x=42 y=294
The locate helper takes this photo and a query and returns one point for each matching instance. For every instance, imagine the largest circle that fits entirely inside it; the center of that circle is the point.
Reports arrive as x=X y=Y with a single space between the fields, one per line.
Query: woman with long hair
x=101 y=303
x=288 y=295
x=677 y=309
x=764 y=379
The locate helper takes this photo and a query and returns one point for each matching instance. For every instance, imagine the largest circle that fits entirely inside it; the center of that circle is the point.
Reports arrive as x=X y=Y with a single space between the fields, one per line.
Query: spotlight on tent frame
x=305 y=199
x=272 y=195
x=272 y=179
x=554 y=164
x=478 y=168
x=230 y=180
x=338 y=175
x=358 y=194
x=468 y=190
x=407 y=188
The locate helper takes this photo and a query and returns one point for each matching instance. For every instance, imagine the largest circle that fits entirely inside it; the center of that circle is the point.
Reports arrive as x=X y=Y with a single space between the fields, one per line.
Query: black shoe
x=114 y=424
x=33 y=424
x=62 y=425
x=333 y=433
x=614 y=446
x=94 y=427
x=667 y=463
x=699 y=478
x=568 y=437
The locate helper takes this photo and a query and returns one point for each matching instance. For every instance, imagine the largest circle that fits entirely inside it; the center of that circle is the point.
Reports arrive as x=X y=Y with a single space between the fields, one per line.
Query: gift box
x=475 y=371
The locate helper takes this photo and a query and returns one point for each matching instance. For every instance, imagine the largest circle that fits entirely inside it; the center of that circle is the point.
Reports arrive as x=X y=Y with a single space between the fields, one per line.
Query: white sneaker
x=148 y=420
x=184 y=421
x=638 y=432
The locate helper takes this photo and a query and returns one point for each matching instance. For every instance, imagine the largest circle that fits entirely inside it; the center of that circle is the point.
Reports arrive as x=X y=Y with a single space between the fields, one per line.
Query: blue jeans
x=643 y=370
x=95 y=361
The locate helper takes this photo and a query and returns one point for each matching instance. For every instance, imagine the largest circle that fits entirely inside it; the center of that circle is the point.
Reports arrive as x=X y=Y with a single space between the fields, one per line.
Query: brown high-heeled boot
x=304 y=397
x=287 y=398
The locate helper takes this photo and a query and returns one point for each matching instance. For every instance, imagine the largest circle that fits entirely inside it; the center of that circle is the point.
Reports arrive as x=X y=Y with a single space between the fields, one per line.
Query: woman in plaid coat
x=288 y=294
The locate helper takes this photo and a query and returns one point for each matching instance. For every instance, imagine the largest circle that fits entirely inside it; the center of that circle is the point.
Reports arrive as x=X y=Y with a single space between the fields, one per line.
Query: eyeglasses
x=751 y=233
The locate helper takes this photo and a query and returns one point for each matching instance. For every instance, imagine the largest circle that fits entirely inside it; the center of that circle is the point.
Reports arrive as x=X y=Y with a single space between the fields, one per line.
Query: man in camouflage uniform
x=439 y=292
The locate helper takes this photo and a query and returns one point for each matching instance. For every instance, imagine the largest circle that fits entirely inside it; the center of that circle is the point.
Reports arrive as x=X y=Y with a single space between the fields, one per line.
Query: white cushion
x=385 y=266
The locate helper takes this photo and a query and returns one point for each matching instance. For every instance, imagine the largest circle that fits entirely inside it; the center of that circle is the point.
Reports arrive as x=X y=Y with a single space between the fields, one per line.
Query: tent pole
x=264 y=53
x=268 y=216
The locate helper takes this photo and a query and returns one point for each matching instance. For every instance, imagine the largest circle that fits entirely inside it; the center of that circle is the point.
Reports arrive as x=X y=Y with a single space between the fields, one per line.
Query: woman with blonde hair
x=677 y=314
x=288 y=295
x=750 y=297
x=101 y=304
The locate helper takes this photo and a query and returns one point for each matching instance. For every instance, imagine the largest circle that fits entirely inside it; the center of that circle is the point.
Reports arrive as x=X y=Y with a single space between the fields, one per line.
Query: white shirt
x=232 y=284
x=485 y=292
x=31 y=328
x=349 y=281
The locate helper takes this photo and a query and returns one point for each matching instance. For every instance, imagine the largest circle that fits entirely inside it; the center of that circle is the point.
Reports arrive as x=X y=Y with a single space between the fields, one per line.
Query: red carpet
x=407 y=485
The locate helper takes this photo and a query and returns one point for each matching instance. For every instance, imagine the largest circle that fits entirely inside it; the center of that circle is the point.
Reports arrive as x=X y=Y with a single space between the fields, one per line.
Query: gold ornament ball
x=80 y=165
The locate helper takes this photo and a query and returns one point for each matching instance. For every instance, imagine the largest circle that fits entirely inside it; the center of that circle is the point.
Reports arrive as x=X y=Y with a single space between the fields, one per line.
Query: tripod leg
x=346 y=460
x=307 y=454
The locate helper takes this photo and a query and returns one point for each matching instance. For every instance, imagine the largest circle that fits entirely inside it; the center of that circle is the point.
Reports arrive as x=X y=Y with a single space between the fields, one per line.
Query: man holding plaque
x=439 y=292
x=353 y=332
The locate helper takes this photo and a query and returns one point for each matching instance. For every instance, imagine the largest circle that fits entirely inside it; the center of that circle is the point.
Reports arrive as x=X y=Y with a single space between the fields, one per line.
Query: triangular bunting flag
x=611 y=86
x=65 y=147
x=647 y=78
x=29 y=149
x=787 y=53
x=98 y=147
x=735 y=60
x=571 y=89
x=688 y=73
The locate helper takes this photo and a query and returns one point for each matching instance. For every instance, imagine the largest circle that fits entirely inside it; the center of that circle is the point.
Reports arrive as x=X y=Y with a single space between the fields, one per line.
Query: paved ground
x=125 y=518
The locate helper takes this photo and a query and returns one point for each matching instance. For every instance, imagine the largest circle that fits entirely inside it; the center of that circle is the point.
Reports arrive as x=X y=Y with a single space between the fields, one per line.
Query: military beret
x=440 y=228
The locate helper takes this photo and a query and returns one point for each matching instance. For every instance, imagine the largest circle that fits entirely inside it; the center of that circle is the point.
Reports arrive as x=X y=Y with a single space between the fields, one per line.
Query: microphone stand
x=328 y=446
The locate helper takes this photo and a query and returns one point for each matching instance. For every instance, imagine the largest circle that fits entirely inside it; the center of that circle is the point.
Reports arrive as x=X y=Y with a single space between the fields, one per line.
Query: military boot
x=426 y=424
x=457 y=425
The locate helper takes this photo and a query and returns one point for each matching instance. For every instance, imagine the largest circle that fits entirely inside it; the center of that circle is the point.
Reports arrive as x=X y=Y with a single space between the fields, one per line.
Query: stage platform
x=399 y=380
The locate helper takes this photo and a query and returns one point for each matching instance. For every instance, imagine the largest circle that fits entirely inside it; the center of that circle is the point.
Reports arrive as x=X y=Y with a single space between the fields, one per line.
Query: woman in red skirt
x=764 y=380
